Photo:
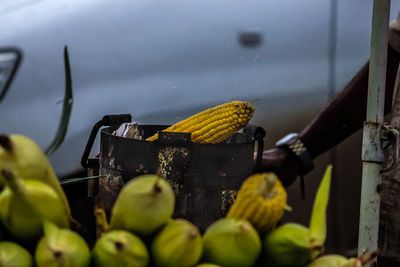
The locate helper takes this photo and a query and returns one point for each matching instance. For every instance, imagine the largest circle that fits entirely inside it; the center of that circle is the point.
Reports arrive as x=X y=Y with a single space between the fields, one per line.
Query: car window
x=9 y=62
x=164 y=60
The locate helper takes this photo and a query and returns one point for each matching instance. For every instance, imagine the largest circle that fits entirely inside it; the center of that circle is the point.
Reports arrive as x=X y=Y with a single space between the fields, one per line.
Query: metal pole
x=372 y=154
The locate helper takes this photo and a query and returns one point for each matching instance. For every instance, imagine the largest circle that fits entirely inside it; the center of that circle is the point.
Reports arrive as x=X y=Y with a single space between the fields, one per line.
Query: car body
x=162 y=61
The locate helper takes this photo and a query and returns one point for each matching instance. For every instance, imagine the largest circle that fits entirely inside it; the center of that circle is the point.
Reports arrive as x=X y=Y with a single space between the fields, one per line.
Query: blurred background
x=162 y=61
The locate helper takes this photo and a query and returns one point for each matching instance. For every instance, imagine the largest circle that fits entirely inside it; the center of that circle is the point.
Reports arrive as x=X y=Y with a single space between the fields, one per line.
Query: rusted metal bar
x=372 y=154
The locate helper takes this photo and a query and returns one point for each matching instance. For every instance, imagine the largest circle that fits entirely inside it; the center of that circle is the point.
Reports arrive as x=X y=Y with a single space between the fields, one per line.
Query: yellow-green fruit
x=13 y=255
x=230 y=242
x=120 y=248
x=60 y=247
x=329 y=261
x=288 y=245
x=295 y=245
x=26 y=204
x=334 y=260
x=25 y=159
x=144 y=204
x=178 y=244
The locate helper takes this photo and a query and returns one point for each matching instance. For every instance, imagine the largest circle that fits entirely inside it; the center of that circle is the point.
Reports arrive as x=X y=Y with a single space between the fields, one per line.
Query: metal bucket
x=204 y=177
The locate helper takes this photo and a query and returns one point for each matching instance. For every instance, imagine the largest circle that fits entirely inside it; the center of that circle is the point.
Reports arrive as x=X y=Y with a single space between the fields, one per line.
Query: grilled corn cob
x=261 y=200
x=214 y=125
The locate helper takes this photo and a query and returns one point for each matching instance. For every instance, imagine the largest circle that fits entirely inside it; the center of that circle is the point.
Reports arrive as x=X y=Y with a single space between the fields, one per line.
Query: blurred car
x=162 y=61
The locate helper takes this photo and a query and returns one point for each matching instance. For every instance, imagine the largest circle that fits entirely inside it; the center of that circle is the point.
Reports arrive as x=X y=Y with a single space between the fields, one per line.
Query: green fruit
x=25 y=159
x=330 y=261
x=295 y=245
x=120 y=248
x=231 y=242
x=26 y=204
x=61 y=248
x=13 y=255
x=144 y=204
x=287 y=245
x=334 y=260
x=178 y=244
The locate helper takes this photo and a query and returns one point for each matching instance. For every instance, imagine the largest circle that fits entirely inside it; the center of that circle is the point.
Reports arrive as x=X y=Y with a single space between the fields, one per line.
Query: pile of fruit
x=36 y=219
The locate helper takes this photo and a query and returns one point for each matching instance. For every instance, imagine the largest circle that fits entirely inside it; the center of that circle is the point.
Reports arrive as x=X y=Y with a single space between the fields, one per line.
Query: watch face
x=285 y=141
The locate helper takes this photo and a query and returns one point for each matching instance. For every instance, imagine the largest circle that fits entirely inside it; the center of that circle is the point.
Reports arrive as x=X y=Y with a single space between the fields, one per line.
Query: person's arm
x=343 y=116
x=346 y=112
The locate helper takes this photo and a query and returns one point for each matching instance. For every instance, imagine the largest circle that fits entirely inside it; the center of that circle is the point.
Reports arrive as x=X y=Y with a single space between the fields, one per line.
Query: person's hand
x=282 y=163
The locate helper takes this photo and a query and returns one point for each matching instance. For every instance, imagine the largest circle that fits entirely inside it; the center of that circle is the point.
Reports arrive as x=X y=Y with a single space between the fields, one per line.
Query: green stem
x=157 y=188
x=13 y=182
x=5 y=142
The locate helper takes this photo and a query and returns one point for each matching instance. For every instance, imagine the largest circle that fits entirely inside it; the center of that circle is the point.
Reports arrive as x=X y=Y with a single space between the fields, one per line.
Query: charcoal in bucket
x=205 y=177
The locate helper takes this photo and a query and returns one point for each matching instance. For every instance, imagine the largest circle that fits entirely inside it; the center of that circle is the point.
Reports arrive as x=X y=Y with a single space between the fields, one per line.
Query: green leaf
x=67 y=108
x=78 y=180
x=318 y=216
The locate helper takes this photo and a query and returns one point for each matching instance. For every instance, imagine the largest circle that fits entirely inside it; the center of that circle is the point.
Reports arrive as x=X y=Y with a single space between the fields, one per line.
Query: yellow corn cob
x=261 y=200
x=214 y=125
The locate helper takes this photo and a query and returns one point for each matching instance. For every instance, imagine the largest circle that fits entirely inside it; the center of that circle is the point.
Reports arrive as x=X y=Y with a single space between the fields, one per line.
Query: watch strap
x=294 y=144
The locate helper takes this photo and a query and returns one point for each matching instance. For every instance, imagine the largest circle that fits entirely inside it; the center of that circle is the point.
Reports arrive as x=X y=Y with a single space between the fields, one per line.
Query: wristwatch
x=293 y=143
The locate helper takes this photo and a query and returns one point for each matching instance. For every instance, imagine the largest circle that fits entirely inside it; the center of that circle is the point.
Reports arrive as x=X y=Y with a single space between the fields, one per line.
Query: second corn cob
x=261 y=200
x=214 y=125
